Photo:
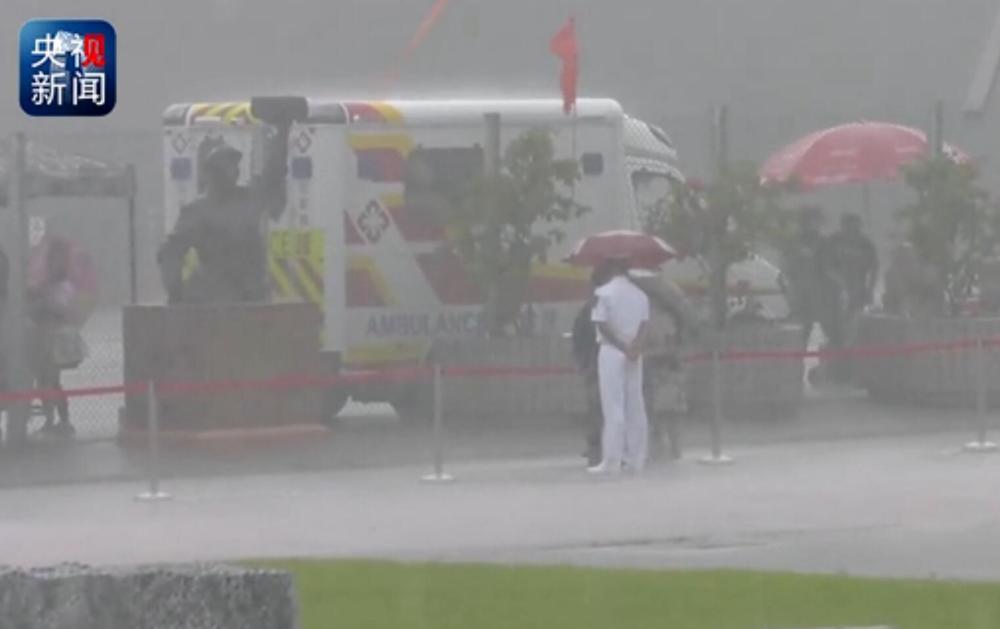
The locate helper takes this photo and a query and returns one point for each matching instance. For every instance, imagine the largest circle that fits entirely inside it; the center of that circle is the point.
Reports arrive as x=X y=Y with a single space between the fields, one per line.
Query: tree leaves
x=723 y=222
x=952 y=224
x=505 y=223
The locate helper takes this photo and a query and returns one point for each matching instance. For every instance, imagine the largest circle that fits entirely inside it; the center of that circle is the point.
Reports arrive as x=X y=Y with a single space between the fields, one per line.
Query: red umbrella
x=642 y=250
x=82 y=275
x=852 y=153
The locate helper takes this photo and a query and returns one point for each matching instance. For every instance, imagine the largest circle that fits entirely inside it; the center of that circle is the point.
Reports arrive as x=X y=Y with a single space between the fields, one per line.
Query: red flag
x=564 y=46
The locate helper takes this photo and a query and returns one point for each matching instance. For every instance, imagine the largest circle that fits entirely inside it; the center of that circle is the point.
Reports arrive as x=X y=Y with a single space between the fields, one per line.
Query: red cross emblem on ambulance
x=373 y=222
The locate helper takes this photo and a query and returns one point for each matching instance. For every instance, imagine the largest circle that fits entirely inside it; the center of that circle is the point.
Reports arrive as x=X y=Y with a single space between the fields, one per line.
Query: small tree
x=720 y=224
x=952 y=225
x=507 y=222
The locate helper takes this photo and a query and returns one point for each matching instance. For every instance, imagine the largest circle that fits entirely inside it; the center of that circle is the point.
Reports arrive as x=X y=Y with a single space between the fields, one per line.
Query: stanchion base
x=437 y=479
x=153 y=496
x=981 y=447
x=711 y=459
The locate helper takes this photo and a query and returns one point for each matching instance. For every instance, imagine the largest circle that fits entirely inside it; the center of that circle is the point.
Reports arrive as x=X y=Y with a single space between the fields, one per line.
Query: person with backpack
x=57 y=342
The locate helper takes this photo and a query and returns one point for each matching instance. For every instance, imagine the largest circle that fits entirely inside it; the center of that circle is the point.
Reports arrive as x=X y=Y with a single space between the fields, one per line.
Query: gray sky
x=784 y=66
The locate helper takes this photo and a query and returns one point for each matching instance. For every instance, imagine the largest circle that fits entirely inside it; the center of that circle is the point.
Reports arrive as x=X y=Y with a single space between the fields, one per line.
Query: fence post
x=982 y=443
x=716 y=457
x=437 y=432
x=16 y=244
x=133 y=258
x=154 y=493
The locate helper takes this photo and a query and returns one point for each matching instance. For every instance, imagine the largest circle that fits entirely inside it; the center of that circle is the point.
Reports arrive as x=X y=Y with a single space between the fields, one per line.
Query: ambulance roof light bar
x=280 y=110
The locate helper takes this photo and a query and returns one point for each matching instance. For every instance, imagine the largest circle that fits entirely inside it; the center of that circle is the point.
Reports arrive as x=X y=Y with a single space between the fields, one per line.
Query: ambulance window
x=592 y=164
x=380 y=165
x=651 y=188
x=436 y=177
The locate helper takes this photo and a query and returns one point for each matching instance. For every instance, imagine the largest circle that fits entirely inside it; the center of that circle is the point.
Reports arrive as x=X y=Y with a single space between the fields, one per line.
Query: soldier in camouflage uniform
x=673 y=318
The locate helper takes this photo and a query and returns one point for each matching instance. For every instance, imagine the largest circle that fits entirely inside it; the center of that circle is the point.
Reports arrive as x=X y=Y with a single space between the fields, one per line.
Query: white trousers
x=625 y=437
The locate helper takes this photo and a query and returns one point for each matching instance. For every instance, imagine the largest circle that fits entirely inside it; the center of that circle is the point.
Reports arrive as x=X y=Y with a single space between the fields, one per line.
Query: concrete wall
x=931 y=377
x=218 y=344
x=752 y=389
x=505 y=400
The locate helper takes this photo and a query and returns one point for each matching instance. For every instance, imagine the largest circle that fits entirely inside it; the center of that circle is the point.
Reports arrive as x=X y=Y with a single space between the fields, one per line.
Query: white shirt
x=622 y=305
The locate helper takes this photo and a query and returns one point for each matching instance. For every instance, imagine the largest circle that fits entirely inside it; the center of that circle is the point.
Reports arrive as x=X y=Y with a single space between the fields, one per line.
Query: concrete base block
x=154 y=597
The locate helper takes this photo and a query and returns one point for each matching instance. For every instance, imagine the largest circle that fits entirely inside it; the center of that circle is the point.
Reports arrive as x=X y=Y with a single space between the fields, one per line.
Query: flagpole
x=572 y=190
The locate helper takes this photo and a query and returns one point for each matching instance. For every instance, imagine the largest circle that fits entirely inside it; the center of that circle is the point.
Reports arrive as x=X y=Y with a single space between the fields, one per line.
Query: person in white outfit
x=621 y=314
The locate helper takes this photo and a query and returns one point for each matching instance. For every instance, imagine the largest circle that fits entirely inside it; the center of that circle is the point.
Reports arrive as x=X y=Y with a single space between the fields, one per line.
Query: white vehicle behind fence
x=358 y=239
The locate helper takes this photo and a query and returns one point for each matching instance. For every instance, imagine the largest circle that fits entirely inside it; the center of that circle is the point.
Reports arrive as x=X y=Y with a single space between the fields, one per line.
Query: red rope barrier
x=410 y=374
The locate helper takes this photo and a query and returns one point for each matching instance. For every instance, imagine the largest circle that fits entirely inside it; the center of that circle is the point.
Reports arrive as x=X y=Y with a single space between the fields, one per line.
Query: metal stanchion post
x=716 y=457
x=154 y=493
x=439 y=475
x=982 y=443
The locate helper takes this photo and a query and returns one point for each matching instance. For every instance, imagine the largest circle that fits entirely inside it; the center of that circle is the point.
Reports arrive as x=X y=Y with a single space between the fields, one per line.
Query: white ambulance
x=357 y=236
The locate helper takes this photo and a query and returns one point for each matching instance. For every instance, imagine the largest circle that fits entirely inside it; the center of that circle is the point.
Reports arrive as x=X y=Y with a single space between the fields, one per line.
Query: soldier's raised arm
x=269 y=188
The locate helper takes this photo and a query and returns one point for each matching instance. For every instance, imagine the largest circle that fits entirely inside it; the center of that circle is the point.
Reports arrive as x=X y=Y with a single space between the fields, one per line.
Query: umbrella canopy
x=82 y=275
x=852 y=153
x=641 y=250
x=50 y=172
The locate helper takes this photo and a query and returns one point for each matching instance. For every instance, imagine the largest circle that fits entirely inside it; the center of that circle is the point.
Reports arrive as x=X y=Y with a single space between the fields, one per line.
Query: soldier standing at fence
x=673 y=318
x=621 y=313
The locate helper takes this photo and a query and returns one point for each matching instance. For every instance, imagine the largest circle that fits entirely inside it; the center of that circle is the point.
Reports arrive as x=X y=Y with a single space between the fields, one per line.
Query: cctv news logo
x=68 y=68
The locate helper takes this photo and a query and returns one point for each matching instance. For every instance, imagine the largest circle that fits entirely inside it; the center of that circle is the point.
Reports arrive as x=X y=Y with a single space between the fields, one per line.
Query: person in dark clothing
x=815 y=291
x=855 y=260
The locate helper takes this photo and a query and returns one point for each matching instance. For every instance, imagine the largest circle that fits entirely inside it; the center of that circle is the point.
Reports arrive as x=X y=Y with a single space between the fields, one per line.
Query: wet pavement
x=375 y=439
x=913 y=506
x=846 y=486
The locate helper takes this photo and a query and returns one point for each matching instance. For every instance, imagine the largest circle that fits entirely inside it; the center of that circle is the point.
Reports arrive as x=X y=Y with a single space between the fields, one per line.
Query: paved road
x=910 y=507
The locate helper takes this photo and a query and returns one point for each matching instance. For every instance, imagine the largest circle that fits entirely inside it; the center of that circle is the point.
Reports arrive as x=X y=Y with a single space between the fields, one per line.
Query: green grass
x=376 y=595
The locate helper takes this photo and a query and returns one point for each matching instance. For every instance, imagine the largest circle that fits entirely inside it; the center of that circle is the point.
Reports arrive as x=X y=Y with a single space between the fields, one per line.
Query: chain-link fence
x=506 y=415
x=114 y=233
